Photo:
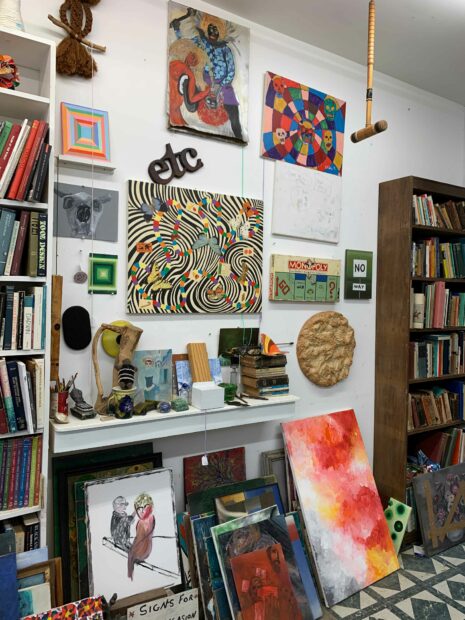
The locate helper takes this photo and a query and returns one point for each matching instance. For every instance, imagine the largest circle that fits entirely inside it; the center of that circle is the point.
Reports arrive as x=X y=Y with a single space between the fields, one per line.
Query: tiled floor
x=423 y=589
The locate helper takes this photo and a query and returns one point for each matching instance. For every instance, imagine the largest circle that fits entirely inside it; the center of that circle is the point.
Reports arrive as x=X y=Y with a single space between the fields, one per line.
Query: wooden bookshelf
x=396 y=232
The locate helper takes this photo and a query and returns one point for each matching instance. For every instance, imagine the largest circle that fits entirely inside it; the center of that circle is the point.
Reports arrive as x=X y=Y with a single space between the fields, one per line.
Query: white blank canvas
x=306 y=203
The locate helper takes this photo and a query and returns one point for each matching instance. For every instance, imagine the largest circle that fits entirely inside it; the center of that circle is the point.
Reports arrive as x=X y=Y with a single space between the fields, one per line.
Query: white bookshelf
x=33 y=99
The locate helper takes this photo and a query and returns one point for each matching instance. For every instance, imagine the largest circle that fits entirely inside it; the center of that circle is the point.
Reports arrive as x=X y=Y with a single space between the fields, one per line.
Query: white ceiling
x=421 y=42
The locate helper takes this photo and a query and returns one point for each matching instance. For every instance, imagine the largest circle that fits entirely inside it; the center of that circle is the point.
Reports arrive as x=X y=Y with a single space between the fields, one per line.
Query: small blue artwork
x=154 y=374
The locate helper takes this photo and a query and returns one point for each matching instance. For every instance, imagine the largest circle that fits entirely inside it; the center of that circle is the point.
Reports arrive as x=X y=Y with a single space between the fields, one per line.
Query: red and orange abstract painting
x=263 y=585
x=340 y=504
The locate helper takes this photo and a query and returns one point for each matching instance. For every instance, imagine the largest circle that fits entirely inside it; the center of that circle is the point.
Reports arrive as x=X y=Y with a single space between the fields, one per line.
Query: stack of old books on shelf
x=23 y=242
x=437 y=355
x=432 y=258
x=24 y=159
x=438 y=405
x=26 y=531
x=263 y=375
x=449 y=215
x=23 y=315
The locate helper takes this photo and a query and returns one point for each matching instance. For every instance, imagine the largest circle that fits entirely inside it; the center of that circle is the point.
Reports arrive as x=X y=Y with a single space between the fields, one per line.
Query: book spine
x=3 y=471
x=37 y=318
x=19 y=467
x=35 y=535
x=8 y=149
x=12 y=192
x=13 y=161
x=38 y=473
x=14 y=326
x=20 y=331
x=11 y=249
x=5 y=135
x=40 y=392
x=27 y=331
x=31 y=269
x=14 y=474
x=20 y=243
x=3 y=418
x=8 y=317
x=43 y=323
x=24 y=391
x=42 y=169
x=35 y=445
x=7 y=220
x=23 y=472
x=42 y=246
x=32 y=160
x=32 y=402
x=8 y=462
x=13 y=375
x=266 y=381
x=7 y=398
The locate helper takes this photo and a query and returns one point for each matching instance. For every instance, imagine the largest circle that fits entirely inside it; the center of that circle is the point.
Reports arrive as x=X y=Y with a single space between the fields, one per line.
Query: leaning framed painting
x=192 y=251
x=331 y=469
x=208 y=74
x=131 y=534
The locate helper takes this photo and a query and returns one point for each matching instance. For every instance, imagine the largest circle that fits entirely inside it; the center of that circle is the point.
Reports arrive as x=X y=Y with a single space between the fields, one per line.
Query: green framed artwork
x=358 y=274
x=102 y=274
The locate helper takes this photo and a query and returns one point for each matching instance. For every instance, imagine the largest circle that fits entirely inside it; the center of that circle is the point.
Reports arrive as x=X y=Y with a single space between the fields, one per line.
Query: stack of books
x=23 y=243
x=444 y=447
x=433 y=259
x=438 y=405
x=20 y=472
x=436 y=355
x=264 y=375
x=24 y=160
x=21 y=395
x=438 y=307
x=449 y=215
x=23 y=316
x=27 y=532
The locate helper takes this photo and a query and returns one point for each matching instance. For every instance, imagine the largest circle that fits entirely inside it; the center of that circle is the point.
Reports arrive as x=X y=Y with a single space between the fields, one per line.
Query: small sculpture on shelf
x=9 y=76
x=81 y=409
x=126 y=375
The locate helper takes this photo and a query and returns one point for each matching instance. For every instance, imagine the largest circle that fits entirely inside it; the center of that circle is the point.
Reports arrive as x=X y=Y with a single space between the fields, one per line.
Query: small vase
x=10 y=15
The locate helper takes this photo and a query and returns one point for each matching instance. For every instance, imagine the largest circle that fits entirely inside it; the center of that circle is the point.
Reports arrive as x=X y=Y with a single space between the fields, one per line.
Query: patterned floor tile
x=355 y=606
x=421 y=568
x=454 y=556
x=453 y=588
x=384 y=614
x=426 y=606
x=391 y=585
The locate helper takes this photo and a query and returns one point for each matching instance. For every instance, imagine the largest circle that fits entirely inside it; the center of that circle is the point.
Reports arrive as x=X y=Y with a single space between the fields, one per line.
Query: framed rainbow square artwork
x=85 y=131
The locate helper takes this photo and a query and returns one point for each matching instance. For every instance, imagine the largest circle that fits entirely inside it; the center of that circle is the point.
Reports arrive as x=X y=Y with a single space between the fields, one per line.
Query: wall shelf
x=95 y=433
x=15 y=104
x=81 y=163
x=28 y=279
x=18 y=512
x=22 y=204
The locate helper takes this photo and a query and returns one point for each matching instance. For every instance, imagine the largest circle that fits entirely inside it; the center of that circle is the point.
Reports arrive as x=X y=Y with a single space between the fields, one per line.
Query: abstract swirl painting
x=191 y=251
x=303 y=126
x=340 y=505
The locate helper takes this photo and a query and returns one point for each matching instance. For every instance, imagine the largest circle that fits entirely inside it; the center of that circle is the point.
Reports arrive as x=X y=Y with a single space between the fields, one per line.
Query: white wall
x=426 y=137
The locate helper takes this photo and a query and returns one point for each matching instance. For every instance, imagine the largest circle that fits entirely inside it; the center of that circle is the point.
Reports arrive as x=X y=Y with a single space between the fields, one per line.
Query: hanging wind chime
x=370 y=129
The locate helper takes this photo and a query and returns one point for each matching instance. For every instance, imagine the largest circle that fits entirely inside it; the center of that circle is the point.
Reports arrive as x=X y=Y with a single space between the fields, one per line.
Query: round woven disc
x=325 y=348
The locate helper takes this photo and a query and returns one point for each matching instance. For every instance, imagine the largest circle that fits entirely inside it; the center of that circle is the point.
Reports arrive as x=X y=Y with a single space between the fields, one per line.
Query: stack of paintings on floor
x=264 y=547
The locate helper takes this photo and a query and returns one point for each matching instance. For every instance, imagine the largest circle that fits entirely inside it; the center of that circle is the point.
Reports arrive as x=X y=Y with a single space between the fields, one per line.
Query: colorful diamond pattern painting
x=102 y=273
x=85 y=131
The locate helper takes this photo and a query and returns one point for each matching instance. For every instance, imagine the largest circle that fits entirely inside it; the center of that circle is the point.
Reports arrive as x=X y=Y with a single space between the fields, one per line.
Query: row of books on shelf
x=437 y=307
x=20 y=472
x=436 y=355
x=438 y=405
x=24 y=159
x=264 y=376
x=450 y=214
x=445 y=447
x=22 y=398
x=23 y=243
x=432 y=258
x=26 y=530
x=23 y=315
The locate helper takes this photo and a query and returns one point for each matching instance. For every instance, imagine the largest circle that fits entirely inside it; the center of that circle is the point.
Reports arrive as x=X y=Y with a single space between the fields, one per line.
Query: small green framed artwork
x=358 y=274
x=102 y=274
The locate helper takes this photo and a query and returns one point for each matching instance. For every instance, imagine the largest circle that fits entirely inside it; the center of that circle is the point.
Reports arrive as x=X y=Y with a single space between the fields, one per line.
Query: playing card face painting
x=132 y=534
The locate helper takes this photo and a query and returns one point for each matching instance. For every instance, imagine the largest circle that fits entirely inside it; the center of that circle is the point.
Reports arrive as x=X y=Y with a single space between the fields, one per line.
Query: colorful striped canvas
x=85 y=131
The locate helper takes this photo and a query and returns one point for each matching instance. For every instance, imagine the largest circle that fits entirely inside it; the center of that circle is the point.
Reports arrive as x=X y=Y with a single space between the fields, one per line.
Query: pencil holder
x=59 y=407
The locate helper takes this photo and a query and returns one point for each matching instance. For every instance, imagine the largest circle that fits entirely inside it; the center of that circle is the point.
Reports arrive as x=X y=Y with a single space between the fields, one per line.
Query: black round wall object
x=75 y=325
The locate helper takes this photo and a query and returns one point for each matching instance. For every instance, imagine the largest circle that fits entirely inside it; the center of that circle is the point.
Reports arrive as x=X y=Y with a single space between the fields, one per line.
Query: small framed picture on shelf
x=39 y=585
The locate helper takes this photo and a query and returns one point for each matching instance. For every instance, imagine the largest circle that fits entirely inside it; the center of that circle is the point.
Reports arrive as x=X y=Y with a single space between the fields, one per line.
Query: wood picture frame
x=52 y=574
x=274 y=462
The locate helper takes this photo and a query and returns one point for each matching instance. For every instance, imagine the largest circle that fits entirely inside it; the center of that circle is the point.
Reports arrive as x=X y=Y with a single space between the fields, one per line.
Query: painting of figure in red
x=208 y=69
